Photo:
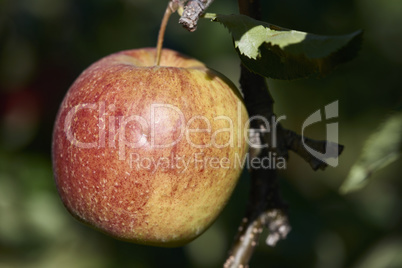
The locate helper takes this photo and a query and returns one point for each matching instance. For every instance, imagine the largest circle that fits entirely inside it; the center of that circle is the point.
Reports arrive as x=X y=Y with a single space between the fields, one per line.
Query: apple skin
x=102 y=150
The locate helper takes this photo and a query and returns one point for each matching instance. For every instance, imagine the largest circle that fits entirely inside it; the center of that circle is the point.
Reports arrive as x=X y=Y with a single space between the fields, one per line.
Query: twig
x=294 y=142
x=192 y=12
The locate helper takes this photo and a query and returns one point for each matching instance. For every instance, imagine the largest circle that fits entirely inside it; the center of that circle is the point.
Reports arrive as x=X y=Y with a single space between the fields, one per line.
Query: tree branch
x=192 y=12
x=265 y=207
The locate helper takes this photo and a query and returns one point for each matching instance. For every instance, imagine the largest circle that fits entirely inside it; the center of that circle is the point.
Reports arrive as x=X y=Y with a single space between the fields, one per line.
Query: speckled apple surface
x=120 y=117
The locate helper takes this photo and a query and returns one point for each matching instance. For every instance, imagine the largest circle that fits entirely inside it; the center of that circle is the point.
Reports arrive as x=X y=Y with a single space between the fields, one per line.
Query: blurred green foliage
x=381 y=149
x=45 y=44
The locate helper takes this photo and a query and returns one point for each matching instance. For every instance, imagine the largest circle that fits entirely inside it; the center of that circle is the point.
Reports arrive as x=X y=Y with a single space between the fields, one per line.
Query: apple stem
x=169 y=10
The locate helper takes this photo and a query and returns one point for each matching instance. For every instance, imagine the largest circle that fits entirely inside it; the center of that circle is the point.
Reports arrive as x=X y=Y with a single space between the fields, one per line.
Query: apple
x=149 y=153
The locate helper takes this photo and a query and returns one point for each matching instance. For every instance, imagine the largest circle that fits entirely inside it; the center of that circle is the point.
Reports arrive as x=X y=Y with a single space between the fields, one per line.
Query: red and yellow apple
x=149 y=154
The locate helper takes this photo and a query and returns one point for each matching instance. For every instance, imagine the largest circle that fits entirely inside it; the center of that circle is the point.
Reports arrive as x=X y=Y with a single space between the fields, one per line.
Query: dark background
x=45 y=44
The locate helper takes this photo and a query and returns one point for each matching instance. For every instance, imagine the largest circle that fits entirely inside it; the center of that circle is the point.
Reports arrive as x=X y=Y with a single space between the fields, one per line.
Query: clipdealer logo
x=107 y=120
x=331 y=154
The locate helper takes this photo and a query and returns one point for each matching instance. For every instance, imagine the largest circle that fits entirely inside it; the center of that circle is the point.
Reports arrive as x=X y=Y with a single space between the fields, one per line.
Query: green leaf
x=381 y=149
x=280 y=53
